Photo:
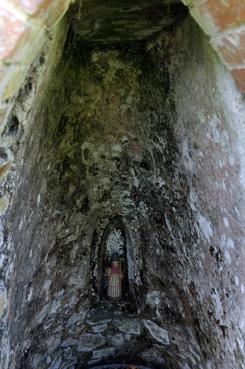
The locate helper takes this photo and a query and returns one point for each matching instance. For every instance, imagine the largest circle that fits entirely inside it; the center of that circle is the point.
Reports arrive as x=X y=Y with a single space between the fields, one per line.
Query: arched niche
x=116 y=238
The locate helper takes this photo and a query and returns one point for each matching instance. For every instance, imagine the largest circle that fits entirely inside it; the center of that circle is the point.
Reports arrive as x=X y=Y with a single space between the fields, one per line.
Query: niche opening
x=116 y=240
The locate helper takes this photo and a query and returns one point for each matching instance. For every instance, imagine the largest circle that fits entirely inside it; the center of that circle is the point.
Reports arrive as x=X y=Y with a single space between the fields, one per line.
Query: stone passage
x=124 y=139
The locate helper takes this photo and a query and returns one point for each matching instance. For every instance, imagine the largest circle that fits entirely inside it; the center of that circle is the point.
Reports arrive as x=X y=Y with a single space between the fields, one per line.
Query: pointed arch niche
x=116 y=239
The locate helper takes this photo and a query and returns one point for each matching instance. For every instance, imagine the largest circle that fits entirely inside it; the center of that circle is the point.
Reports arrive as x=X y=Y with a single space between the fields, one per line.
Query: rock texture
x=113 y=21
x=136 y=138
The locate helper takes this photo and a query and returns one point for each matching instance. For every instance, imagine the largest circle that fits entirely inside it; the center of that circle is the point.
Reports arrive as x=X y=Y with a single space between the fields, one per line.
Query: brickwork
x=224 y=22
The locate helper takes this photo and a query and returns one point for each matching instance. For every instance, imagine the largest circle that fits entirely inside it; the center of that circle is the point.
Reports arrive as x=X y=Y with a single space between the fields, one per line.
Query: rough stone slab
x=127 y=325
x=103 y=353
x=99 y=317
x=69 y=364
x=69 y=342
x=88 y=342
x=157 y=333
x=75 y=318
x=99 y=328
x=56 y=363
x=117 y=340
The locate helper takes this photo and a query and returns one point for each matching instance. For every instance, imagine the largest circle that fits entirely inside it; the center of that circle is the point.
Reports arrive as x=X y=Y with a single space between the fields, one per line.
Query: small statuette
x=115 y=278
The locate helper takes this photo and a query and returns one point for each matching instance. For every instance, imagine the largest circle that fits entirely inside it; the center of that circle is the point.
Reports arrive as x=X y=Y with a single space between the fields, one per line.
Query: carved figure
x=115 y=278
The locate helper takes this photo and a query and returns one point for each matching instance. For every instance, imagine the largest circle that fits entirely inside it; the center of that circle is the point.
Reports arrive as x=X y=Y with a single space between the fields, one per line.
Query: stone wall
x=25 y=28
x=20 y=125
x=210 y=128
x=144 y=133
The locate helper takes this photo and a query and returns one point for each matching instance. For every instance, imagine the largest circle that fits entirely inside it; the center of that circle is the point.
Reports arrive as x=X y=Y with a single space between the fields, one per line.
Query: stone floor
x=109 y=333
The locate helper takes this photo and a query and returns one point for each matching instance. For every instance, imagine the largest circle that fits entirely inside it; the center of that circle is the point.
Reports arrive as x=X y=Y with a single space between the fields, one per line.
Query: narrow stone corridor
x=126 y=141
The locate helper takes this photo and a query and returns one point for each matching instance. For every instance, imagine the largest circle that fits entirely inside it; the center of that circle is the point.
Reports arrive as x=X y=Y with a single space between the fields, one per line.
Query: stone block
x=117 y=340
x=159 y=334
x=12 y=30
x=22 y=38
x=99 y=317
x=88 y=342
x=103 y=353
x=239 y=75
x=231 y=46
x=48 y=11
x=216 y=15
x=99 y=328
x=32 y=7
x=127 y=325
x=76 y=318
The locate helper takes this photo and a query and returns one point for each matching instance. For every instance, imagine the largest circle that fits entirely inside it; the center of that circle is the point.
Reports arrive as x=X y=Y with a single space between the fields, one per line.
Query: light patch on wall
x=232 y=160
x=205 y=227
x=235 y=113
x=38 y=199
x=226 y=222
x=186 y=155
x=193 y=199
x=236 y=280
x=3 y=299
x=154 y=300
x=115 y=242
x=230 y=244
x=242 y=163
x=218 y=308
x=227 y=256
x=216 y=136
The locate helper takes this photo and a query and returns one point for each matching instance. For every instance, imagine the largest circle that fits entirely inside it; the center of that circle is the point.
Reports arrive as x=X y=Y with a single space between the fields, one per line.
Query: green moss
x=97 y=96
